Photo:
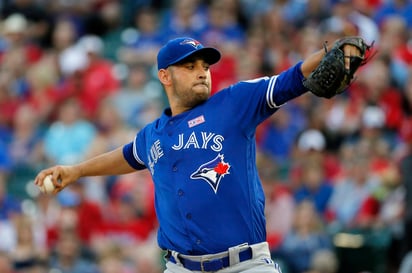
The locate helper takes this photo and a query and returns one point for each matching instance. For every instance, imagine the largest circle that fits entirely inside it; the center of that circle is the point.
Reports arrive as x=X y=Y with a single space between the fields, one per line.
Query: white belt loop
x=234 y=253
x=260 y=250
x=175 y=255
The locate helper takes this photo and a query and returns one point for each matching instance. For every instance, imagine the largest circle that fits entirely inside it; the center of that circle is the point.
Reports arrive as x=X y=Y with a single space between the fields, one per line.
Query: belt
x=211 y=264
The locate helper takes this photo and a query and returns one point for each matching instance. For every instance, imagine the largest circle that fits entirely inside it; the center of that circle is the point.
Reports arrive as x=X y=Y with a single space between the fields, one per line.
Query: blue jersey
x=208 y=195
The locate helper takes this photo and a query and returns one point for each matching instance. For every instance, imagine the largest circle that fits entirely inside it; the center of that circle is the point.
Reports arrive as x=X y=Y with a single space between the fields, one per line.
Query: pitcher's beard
x=195 y=96
x=197 y=99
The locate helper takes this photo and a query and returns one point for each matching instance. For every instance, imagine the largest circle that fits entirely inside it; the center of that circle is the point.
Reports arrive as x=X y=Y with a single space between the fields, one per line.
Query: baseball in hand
x=48 y=186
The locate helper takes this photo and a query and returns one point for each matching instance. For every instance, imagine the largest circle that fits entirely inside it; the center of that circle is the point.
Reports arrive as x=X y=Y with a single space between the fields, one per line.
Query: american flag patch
x=196 y=121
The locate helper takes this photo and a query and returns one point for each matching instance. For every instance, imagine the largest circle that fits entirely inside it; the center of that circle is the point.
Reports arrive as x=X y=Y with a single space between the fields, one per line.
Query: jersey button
x=189 y=216
x=180 y=192
x=174 y=169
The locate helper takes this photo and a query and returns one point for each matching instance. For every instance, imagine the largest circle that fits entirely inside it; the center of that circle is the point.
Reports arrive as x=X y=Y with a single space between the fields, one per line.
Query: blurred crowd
x=78 y=78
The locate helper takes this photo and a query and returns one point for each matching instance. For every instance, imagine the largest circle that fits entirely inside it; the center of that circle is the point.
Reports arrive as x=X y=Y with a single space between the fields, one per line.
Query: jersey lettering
x=200 y=142
x=192 y=141
x=217 y=140
x=156 y=152
x=206 y=137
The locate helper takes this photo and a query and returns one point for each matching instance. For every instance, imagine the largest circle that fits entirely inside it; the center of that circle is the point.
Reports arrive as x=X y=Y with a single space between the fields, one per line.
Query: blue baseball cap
x=178 y=49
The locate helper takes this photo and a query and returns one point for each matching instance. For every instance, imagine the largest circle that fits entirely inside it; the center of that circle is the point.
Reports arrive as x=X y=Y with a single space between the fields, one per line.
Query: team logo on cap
x=212 y=172
x=191 y=42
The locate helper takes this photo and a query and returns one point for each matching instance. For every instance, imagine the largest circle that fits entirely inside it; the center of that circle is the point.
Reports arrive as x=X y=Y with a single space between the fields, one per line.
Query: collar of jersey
x=167 y=120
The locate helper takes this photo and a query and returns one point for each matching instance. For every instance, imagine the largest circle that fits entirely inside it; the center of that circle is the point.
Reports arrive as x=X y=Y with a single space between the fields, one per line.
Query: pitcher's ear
x=164 y=76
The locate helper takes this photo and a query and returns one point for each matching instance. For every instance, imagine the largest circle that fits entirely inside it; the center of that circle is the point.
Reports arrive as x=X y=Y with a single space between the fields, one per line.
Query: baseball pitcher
x=201 y=154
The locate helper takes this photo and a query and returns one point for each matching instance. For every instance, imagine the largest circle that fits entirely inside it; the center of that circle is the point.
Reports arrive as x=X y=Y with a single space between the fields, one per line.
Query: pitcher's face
x=191 y=82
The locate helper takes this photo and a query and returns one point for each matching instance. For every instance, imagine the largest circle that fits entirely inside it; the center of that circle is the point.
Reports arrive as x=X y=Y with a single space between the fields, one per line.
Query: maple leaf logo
x=221 y=168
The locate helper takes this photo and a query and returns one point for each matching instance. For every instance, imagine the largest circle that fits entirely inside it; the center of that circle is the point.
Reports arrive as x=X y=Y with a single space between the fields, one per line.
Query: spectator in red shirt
x=99 y=79
x=129 y=214
x=79 y=212
x=86 y=75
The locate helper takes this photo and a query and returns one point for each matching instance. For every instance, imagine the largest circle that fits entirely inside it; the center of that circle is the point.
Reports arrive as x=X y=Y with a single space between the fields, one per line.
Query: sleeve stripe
x=136 y=156
x=269 y=93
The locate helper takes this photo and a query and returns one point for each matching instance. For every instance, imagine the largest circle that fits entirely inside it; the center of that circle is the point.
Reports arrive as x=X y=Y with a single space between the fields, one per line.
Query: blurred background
x=78 y=78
